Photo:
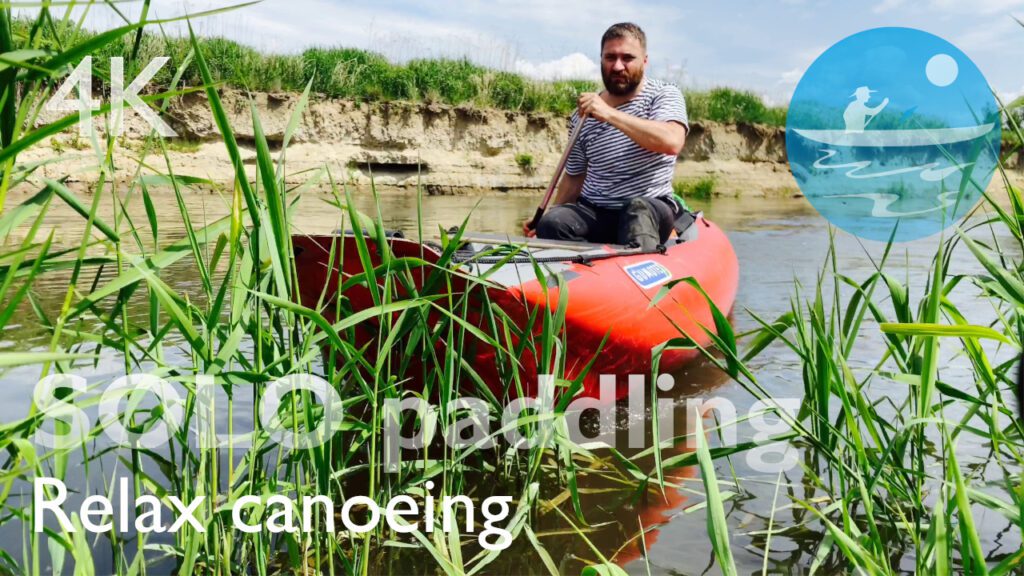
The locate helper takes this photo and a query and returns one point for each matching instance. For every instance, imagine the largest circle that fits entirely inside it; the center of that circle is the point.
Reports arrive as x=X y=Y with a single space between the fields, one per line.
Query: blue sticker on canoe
x=648 y=274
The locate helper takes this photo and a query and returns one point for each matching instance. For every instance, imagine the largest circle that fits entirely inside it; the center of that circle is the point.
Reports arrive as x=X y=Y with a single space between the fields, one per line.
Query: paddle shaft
x=558 y=174
x=877 y=113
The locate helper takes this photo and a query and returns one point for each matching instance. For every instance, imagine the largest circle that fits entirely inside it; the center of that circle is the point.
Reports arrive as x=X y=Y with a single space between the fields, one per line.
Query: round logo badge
x=893 y=133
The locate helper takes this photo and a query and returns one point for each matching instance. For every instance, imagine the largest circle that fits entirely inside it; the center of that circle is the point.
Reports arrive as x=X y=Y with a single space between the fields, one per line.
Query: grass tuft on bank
x=702 y=188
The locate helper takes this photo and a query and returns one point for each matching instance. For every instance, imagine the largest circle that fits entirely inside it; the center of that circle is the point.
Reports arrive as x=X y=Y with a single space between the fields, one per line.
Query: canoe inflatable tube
x=611 y=322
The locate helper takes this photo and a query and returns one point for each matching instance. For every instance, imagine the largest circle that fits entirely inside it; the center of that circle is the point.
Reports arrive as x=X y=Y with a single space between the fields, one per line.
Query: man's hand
x=527 y=231
x=591 y=104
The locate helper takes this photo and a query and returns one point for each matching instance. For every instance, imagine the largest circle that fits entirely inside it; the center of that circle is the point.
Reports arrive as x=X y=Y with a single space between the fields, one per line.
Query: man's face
x=622 y=65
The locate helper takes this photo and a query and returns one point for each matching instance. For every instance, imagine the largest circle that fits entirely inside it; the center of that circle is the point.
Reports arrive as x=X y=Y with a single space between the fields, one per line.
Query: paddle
x=558 y=174
x=884 y=104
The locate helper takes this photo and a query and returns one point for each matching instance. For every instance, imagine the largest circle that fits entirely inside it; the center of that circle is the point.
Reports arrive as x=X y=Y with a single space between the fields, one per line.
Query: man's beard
x=621 y=84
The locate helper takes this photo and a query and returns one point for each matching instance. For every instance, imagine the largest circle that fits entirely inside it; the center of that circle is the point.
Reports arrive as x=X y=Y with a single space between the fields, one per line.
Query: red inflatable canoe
x=609 y=298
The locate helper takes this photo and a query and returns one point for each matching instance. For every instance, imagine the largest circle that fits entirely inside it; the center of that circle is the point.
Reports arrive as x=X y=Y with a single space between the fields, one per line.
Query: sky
x=762 y=45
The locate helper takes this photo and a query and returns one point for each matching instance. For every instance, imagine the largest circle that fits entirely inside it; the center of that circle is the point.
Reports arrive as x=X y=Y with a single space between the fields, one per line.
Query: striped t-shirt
x=617 y=168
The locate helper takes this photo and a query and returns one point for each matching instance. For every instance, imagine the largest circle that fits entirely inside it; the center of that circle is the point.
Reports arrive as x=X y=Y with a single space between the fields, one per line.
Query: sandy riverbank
x=449 y=150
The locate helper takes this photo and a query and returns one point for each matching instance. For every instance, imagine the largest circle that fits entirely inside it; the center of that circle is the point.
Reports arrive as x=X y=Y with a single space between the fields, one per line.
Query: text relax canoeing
x=358 y=514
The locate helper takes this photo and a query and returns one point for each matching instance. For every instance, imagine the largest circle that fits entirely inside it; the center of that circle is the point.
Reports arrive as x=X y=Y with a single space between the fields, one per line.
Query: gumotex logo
x=893 y=133
x=648 y=274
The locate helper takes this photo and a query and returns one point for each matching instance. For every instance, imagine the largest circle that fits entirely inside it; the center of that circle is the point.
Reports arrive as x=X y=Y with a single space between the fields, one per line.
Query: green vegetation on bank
x=732 y=107
x=361 y=75
x=702 y=188
x=525 y=162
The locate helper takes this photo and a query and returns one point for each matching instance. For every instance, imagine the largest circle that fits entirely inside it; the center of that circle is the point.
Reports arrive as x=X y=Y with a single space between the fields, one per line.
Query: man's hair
x=624 y=30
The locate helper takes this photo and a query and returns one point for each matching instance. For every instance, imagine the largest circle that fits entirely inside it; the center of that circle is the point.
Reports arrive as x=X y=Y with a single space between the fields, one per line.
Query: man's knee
x=560 y=223
x=642 y=224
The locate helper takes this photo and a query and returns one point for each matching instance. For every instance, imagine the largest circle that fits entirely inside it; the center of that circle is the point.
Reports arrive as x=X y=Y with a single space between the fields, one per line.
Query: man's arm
x=569 y=188
x=661 y=137
x=878 y=108
x=656 y=136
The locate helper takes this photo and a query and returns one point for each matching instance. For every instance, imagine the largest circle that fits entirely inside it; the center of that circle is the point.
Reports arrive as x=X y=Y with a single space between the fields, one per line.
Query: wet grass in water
x=882 y=476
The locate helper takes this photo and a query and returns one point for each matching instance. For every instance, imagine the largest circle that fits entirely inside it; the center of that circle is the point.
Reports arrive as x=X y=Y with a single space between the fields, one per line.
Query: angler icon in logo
x=893 y=133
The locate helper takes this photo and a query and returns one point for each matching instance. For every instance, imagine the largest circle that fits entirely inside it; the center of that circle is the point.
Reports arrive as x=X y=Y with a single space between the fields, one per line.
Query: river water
x=780 y=243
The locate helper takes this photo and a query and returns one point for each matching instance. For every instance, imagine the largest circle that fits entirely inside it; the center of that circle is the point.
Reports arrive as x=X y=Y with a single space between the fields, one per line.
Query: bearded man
x=617 y=187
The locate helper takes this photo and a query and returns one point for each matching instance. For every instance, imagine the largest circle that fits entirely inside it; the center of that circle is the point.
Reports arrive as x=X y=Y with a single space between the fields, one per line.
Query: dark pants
x=644 y=222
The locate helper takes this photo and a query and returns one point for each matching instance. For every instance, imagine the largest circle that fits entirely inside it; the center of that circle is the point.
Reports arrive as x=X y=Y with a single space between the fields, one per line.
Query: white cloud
x=953 y=7
x=977 y=7
x=787 y=80
x=791 y=77
x=298 y=24
x=574 y=66
x=753 y=46
x=498 y=34
x=1000 y=37
x=1007 y=97
x=887 y=5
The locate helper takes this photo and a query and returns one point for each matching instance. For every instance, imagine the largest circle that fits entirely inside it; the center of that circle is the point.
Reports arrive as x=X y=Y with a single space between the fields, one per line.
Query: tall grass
x=885 y=485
